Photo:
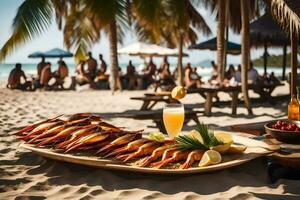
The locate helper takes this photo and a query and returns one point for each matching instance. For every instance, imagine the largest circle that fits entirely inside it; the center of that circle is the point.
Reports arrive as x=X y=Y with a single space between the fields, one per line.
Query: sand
x=24 y=175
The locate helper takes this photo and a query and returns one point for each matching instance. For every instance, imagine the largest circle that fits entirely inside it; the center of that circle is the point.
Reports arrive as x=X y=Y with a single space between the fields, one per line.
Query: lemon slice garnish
x=237 y=149
x=222 y=148
x=178 y=92
x=223 y=137
x=210 y=157
x=195 y=134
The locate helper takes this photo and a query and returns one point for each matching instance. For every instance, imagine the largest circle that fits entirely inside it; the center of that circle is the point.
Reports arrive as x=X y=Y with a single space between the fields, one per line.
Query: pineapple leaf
x=185 y=142
x=203 y=130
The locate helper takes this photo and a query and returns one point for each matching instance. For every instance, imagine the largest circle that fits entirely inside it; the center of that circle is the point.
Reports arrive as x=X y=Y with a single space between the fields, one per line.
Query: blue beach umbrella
x=57 y=53
x=232 y=48
x=36 y=54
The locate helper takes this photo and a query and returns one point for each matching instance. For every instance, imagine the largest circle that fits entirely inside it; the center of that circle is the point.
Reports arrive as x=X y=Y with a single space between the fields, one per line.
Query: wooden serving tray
x=254 y=150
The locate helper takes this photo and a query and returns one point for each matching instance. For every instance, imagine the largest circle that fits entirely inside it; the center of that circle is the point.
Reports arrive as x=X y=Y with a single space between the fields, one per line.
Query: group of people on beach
x=87 y=72
x=44 y=74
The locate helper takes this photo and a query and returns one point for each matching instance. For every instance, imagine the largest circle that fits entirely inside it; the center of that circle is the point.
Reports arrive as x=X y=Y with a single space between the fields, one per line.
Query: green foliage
x=186 y=142
x=274 y=61
x=82 y=21
x=32 y=19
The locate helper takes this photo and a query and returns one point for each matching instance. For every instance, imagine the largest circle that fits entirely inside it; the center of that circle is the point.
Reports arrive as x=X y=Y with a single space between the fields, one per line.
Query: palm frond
x=32 y=19
x=149 y=15
x=287 y=14
x=80 y=32
x=197 y=21
x=61 y=11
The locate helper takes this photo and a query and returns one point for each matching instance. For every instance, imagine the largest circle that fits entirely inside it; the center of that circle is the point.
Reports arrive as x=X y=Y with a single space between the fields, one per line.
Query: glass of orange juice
x=173 y=117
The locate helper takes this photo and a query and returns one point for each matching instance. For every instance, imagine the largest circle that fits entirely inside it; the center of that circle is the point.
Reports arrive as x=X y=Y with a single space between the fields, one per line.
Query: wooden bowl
x=289 y=137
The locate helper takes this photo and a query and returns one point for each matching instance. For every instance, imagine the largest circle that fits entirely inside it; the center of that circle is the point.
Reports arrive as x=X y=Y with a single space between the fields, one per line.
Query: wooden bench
x=149 y=101
x=156 y=116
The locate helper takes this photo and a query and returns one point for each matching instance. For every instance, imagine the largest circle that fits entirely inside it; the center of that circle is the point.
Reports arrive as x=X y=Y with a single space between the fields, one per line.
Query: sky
x=53 y=38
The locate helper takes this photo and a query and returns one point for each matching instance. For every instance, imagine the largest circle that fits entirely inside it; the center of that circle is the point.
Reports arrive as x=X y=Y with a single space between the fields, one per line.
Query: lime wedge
x=157 y=136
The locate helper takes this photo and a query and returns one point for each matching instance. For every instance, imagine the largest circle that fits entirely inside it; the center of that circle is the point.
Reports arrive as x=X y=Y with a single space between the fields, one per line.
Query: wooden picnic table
x=150 y=100
x=209 y=92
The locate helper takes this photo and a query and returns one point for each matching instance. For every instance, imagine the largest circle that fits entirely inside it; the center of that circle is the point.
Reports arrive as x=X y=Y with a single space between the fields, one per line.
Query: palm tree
x=110 y=16
x=231 y=10
x=170 y=22
x=287 y=14
x=83 y=24
x=245 y=57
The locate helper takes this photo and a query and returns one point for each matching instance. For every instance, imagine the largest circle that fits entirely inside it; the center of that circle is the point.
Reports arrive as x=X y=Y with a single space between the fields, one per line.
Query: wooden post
x=284 y=62
x=294 y=45
x=221 y=38
x=179 y=65
x=226 y=38
x=245 y=53
x=265 y=56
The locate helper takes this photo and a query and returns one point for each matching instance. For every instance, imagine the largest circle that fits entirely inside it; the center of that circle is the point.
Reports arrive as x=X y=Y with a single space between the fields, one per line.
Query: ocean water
x=204 y=70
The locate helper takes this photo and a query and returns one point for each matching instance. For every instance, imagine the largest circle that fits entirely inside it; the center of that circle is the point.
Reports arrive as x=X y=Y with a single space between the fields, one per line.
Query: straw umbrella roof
x=266 y=30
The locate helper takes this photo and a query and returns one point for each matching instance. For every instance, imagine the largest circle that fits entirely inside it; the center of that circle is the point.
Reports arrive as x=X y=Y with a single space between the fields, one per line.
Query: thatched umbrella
x=287 y=14
x=266 y=32
x=211 y=44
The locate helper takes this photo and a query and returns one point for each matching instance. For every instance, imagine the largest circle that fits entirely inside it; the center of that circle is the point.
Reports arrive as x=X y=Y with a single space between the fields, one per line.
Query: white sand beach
x=24 y=175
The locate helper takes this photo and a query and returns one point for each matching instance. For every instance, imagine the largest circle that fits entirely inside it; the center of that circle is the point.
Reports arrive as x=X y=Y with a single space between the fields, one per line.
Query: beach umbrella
x=211 y=44
x=265 y=32
x=57 y=53
x=146 y=50
x=36 y=54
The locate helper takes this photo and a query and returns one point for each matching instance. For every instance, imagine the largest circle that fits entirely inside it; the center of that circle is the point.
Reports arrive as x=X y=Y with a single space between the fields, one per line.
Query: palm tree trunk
x=245 y=52
x=114 y=69
x=284 y=61
x=179 y=65
x=221 y=38
x=226 y=31
x=265 y=56
x=294 y=46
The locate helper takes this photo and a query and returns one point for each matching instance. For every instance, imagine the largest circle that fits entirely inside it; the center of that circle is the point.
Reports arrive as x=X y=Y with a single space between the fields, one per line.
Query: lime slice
x=210 y=157
x=178 y=92
x=157 y=136
x=237 y=149
x=195 y=134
